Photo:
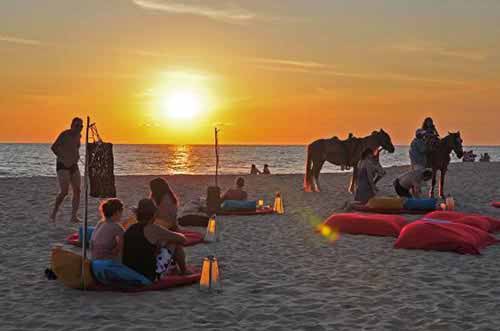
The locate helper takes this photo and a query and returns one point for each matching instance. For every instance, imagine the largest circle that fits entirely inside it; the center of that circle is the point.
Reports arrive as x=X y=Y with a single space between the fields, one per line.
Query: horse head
x=384 y=140
x=455 y=143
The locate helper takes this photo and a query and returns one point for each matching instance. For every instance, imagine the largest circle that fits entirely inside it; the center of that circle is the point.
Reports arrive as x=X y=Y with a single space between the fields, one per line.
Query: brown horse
x=342 y=153
x=438 y=159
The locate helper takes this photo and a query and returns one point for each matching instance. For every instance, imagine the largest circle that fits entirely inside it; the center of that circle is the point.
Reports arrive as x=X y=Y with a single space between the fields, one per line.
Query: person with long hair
x=366 y=188
x=167 y=203
x=429 y=127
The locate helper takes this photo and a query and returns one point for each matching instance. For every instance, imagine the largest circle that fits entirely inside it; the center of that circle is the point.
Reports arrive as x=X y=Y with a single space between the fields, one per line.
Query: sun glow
x=182 y=104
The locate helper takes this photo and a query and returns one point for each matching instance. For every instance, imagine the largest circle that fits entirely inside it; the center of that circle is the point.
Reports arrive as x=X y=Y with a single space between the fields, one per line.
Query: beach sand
x=277 y=273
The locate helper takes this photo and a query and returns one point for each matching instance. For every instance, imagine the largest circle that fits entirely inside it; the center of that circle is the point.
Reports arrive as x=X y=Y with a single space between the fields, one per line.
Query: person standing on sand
x=67 y=150
x=418 y=151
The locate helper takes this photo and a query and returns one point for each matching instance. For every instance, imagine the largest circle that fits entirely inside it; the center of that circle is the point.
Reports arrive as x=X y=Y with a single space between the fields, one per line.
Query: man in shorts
x=66 y=148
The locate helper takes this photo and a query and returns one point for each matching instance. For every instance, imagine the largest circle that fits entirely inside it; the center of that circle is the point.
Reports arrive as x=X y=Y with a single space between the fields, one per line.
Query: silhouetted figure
x=485 y=158
x=254 y=170
x=266 y=170
x=67 y=150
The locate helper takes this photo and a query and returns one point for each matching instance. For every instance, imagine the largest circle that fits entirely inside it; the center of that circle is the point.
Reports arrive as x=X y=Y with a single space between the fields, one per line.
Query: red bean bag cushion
x=496 y=204
x=444 y=236
x=162 y=284
x=372 y=225
x=485 y=223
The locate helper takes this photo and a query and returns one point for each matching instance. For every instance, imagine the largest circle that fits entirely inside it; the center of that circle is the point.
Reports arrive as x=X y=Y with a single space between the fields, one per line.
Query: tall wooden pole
x=86 y=205
x=216 y=158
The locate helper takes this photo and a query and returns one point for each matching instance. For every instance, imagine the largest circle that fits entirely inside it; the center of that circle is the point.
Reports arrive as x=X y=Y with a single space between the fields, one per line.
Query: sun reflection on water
x=180 y=162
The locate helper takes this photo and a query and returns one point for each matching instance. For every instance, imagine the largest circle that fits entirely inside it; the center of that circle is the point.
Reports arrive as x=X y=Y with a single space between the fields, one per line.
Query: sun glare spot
x=182 y=104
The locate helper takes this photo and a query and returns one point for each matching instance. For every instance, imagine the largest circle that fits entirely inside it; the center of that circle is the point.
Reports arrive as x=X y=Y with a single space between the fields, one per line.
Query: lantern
x=450 y=203
x=211 y=235
x=260 y=204
x=278 y=204
x=210 y=276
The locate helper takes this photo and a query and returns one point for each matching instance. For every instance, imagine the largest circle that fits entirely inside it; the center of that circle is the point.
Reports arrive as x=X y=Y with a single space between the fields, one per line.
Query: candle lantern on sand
x=210 y=276
x=278 y=204
x=450 y=203
x=211 y=234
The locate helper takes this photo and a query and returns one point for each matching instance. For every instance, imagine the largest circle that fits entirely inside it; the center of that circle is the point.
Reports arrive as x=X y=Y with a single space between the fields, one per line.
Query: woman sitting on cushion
x=143 y=241
x=168 y=206
x=167 y=203
x=107 y=239
x=236 y=193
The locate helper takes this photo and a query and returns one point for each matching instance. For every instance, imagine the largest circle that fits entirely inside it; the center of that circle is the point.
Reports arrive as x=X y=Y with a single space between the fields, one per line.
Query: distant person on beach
x=409 y=184
x=67 y=150
x=266 y=170
x=107 y=239
x=469 y=156
x=366 y=188
x=237 y=193
x=143 y=240
x=485 y=157
x=418 y=151
x=167 y=203
x=254 y=170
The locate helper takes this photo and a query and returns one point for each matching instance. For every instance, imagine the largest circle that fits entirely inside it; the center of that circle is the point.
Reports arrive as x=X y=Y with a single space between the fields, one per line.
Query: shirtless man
x=66 y=148
x=237 y=193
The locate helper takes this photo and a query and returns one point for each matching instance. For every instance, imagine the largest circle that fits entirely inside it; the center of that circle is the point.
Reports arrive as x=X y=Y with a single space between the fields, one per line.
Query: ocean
x=28 y=160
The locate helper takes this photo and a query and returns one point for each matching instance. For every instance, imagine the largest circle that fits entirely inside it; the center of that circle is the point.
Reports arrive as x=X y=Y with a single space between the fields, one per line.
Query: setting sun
x=182 y=104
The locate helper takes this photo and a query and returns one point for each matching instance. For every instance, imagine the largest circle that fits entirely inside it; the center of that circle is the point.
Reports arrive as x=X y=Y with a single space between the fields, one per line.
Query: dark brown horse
x=438 y=159
x=342 y=153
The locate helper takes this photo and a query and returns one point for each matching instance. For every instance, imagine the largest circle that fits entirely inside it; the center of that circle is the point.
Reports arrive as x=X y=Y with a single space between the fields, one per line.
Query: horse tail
x=308 y=174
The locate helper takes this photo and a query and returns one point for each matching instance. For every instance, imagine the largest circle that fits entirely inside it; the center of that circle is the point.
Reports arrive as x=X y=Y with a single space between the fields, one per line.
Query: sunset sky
x=280 y=72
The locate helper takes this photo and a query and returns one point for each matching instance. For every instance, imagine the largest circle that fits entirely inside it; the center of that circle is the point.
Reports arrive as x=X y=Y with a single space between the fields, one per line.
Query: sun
x=182 y=104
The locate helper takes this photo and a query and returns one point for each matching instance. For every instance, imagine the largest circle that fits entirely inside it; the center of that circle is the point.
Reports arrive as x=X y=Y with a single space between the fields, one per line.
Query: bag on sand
x=68 y=268
x=386 y=203
x=213 y=199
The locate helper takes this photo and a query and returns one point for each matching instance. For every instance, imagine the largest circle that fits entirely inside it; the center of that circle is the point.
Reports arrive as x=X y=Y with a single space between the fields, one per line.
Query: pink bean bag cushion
x=372 y=225
x=485 y=223
x=444 y=236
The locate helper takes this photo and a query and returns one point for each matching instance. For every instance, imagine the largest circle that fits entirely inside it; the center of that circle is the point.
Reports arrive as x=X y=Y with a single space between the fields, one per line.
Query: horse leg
x=316 y=171
x=441 y=183
x=434 y=174
x=354 y=180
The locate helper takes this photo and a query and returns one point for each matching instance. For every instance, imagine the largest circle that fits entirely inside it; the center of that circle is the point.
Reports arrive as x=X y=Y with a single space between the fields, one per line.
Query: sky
x=265 y=72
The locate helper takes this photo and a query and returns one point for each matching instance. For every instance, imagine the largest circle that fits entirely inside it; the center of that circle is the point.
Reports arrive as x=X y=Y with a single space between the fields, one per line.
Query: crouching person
x=409 y=185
